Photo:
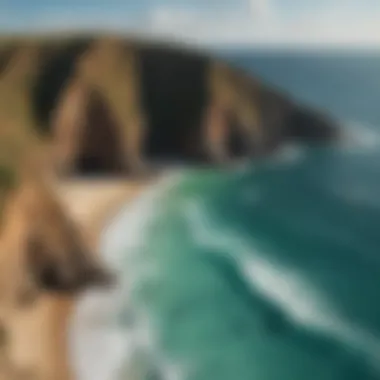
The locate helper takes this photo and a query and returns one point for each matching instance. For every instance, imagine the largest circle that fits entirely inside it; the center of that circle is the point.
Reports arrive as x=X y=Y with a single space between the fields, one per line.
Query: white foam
x=289 y=153
x=359 y=137
x=286 y=289
x=99 y=348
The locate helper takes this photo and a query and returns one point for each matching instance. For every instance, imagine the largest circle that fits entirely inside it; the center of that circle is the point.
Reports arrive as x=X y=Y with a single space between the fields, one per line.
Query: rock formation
x=157 y=101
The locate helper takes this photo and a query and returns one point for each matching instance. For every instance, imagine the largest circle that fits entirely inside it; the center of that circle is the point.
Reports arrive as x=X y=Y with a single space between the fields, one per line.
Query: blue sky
x=295 y=22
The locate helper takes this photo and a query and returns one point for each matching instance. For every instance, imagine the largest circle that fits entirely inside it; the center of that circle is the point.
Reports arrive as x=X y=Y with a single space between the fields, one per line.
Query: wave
x=103 y=349
x=360 y=136
x=357 y=138
x=283 y=288
x=99 y=347
x=288 y=154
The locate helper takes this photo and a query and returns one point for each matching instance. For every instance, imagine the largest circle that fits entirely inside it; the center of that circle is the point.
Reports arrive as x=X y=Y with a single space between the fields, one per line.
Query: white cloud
x=163 y=19
x=337 y=23
x=334 y=22
x=261 y=9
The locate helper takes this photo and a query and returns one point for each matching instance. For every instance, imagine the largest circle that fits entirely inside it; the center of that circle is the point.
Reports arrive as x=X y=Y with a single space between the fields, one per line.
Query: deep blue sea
x=270 y=271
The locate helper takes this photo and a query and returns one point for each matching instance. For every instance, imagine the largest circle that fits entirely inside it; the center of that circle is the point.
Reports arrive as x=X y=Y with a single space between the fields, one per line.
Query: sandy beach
x=93 y=204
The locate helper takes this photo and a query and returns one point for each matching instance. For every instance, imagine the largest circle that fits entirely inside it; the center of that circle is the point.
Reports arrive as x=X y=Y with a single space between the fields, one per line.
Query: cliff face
x=108 y=104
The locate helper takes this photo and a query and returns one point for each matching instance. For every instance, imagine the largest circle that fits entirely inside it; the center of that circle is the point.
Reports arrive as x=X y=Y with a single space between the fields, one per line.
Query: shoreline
x=93 y=204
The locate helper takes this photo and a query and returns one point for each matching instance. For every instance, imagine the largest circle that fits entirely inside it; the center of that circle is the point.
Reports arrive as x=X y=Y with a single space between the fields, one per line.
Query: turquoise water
x=270 y=271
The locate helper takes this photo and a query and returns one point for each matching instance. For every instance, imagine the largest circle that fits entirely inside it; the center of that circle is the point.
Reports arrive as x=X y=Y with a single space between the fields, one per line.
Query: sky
x=208 y=22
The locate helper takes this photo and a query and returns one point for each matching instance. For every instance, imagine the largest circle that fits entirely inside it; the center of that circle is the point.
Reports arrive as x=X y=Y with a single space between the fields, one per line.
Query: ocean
x=268 y=271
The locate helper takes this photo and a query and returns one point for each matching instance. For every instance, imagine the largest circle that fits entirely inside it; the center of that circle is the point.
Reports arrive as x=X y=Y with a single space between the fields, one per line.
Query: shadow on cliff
x=174 y=96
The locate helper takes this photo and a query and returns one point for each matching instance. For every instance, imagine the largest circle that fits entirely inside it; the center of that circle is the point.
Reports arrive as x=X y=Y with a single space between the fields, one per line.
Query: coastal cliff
x=107 y=104
x=79 y=106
